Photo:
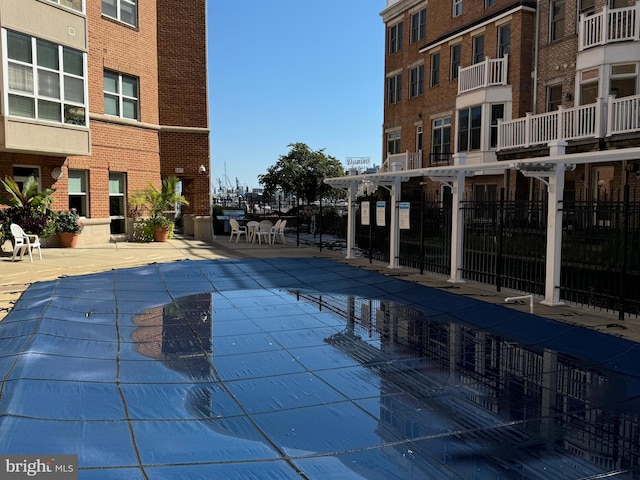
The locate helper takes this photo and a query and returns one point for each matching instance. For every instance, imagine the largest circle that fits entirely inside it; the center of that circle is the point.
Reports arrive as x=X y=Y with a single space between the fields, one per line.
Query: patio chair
x=264 y=231
x=237 y=230
x=279 y=232
x=24 y=242
x=274 y=229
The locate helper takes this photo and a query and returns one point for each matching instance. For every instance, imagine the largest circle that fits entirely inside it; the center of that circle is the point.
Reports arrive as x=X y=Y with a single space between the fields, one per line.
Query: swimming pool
x=307 y=368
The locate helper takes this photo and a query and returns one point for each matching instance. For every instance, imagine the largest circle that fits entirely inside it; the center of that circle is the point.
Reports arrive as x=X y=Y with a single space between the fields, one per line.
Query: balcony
x=402 y=161
x=596 y=120
x=485 y=74
x=609 y=26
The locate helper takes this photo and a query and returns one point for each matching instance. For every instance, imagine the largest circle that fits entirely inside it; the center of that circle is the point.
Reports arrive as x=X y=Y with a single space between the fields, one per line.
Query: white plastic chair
x=274 y=229
x=237 y=230
x=279 y=232
x=264 y=230
x=24 y=242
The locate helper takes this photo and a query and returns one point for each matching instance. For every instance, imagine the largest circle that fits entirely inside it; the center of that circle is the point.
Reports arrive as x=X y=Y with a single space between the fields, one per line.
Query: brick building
x=102 y=98
x=497 y=80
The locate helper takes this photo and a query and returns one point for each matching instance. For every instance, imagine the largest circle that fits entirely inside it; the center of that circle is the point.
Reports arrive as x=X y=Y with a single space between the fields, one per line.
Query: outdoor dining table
x=252 y=229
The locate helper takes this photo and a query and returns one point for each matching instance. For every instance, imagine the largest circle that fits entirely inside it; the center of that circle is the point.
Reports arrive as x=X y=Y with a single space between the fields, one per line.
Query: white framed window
x=395 y=88
x=469 y=128
x=393 y=142
x=457 y=8
x=589 y=86
x=556 y=20
x=554 y=97
x=623 y=80
x=497 y=113
x=117 y=203
x=489 y=3
x=22 y=172
x=78 y=191
x=121 y=95
x=395 y=38
x=435 y=70
x=125 y=11
x=419 y=135
x=478 y=49
x=77 y=5
x=45 y=81
x=441 y=141
x=455 y=61
x=419 y=25
x=504 y=40
x=416 y=81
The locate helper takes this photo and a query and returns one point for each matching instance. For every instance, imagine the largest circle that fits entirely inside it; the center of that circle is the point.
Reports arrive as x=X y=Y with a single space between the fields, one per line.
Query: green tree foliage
x=28 y=207
x=301 y=172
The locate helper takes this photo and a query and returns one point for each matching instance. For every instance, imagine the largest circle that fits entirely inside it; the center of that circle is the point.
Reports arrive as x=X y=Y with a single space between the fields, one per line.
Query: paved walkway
x=15 y=277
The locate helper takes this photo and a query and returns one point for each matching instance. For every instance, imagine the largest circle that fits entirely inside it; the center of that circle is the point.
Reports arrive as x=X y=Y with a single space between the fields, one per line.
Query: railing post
x=597 y=130
x=609 y=113
x=581 y=32
x=637 y=25
x=487 y=72
x=560 y=123
x=604 y=38
x=499 y=144
x=528 y=125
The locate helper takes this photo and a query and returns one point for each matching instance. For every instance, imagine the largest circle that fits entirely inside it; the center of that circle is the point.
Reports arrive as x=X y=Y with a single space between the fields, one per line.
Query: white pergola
x=550 y=170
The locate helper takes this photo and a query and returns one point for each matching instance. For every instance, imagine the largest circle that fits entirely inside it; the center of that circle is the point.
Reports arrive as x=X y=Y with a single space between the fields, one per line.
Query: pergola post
x=457 y=221
x=352 y=195
x=394 y=234
x=554 y=237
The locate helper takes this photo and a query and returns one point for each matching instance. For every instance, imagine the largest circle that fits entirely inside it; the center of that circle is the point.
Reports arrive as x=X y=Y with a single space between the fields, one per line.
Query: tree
x=301 y=172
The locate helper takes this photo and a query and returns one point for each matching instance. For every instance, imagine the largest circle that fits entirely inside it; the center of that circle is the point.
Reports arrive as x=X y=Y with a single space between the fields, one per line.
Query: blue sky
x=287 y=71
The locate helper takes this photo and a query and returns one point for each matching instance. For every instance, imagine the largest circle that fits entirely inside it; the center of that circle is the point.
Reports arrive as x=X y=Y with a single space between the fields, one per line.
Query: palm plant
x=29 y=208
x=159 y=201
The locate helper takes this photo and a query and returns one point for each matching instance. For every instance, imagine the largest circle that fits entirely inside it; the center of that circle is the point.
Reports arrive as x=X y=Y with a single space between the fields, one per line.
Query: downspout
x=536 y=44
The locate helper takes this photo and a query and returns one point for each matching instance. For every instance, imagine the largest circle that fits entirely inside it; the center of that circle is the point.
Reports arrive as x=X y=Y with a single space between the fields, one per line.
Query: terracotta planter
x=69 y=239
x=161 y=234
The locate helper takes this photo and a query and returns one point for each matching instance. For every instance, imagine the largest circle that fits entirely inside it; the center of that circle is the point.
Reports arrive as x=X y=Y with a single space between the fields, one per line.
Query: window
x=73 y=4
x=441 y=141
x=120 y=95
x=395 y=38
x=554 y=97
x=556 y=28
x=623 y=80
x=589 y=85
x=125 y=11
x=117 y=210
x=618 y=3
x=455 y=61
x=469 y=129
x=419 y=25
x=416 y=81
x=395 y=88
x=46 y=81
x=504 y=40
x=21 y=173
x=478 y=48
x=419 y=132
x=78 y=191
x=497 y=113
x=587 y=7
x=489 y=3
x=457 y=8
x=435 y=69
x=393 y=142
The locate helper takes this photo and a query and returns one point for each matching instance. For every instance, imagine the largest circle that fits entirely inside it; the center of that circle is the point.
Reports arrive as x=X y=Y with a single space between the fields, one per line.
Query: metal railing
x=488 y=73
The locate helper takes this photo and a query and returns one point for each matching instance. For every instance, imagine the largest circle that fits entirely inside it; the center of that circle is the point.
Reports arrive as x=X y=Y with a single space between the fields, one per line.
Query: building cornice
x=147 y=126
x=399 y=8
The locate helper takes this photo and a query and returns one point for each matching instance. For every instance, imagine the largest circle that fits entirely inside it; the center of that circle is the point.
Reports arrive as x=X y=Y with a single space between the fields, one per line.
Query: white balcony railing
x=402 y=161
x=596 y=120
x=609 y=26
x=489 y=73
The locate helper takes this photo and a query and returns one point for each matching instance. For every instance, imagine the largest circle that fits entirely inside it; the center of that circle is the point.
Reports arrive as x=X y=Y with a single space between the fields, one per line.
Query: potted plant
x=69 y=227
x=160 y=202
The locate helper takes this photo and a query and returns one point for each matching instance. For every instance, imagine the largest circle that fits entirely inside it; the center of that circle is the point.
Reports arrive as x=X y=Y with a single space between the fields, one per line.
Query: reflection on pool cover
x=285 y=369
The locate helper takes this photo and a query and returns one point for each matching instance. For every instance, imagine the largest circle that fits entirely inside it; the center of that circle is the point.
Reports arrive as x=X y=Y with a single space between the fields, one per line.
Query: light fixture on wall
x=568 y=96
x=56 y=173
x=202 y=169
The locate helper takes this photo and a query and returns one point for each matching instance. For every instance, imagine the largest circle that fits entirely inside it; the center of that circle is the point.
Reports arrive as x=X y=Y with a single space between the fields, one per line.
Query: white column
x=457 y=221
x=352 y=193
x=554 y=234
x=394 y=233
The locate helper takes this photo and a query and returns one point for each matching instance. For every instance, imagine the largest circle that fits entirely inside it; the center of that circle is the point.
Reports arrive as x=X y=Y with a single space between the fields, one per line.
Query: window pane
x=110 y=82
x=73 y=62
x=74 y=115
x=111 y=105
x=130 y=109
x=48 y=84
x=19 y=47
x=116 y=183
x=49 y=110
x=130 y=87
x=73 y=89
x=22 y=106
x=77 y=181
x=75 y=4
x=20 y=78
x=47 y=54
x=110 y=8
x=128 y=13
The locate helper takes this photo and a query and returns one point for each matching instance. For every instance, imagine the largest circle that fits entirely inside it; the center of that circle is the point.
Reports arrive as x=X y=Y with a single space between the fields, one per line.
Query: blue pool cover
x=308 y=368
